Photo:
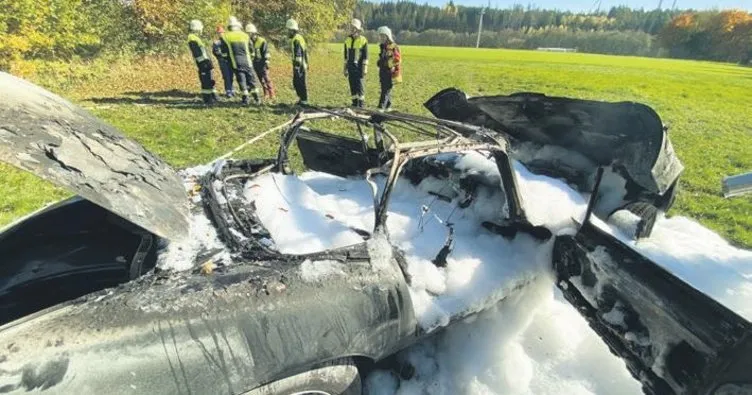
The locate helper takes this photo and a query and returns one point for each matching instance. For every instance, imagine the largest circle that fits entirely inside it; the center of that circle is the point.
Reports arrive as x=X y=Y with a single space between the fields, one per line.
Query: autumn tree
x=725 y=36
x=43 y=29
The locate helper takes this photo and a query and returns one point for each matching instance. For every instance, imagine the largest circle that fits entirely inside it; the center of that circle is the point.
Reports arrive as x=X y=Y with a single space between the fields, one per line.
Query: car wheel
x=338 y=377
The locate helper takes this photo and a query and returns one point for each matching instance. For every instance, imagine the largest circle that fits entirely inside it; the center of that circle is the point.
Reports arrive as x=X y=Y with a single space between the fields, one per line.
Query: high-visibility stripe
x=237 y=37
x=201 y=58
x=301 y=42
x=207 y=91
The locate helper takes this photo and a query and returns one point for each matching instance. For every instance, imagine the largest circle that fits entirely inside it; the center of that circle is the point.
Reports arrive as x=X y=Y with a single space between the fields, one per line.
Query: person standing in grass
x=356 y=62
x=203 y=62
x=237 y=44
x=299 y=61
x=261 y=57
x=390 y=67
x=224 y=63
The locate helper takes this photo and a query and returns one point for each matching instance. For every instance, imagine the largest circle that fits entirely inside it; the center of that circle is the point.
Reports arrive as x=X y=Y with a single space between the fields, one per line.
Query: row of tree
x=724 y=36
x=415 y=17
x=605 y=42
x=62 y=29
x=708 y=35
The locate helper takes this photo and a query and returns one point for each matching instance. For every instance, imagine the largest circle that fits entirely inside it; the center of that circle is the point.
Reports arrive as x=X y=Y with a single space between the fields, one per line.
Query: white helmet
x=292 y=24
x=233 y=22
x=385 y=30
x=196 y=25
x=251 y=28
x=357 y=24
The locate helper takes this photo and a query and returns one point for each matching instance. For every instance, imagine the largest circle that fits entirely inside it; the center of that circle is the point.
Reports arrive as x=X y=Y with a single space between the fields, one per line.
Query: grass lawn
x=707 y=105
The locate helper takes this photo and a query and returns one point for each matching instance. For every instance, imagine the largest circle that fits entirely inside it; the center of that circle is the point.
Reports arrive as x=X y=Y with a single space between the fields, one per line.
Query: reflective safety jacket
x=299 y=52
x=198 y=51
x=390 y=60
x=356 y=52
x=236 y=44
x=261 y=53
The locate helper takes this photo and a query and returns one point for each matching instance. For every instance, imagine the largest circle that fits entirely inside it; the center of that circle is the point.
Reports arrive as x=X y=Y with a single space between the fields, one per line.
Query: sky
x=586 y=5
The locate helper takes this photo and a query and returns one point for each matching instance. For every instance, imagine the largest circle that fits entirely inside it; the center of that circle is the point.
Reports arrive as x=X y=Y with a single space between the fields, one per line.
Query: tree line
x=709 y=35
x=67 y=29
x=62 y=30
x=415 y=17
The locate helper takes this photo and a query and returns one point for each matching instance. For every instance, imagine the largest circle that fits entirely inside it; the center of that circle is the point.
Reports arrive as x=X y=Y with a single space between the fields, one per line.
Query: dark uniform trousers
x=357 y=84
x=385 y=78
x=299 y=82
x=246 y=80
x=227 y=75
x=262 y=72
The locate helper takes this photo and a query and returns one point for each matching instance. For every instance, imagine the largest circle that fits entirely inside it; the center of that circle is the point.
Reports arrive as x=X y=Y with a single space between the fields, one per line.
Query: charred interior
x=376 y=151
x=45 y=264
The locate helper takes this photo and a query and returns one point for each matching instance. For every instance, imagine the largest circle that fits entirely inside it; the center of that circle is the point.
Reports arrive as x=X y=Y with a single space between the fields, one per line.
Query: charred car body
x=254 y=325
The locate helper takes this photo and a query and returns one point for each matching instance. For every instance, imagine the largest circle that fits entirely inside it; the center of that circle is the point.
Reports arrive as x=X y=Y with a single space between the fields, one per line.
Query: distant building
x=557 y=49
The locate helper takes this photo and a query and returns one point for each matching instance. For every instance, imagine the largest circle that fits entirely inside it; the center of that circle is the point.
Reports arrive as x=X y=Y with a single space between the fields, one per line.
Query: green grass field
x=707 y=106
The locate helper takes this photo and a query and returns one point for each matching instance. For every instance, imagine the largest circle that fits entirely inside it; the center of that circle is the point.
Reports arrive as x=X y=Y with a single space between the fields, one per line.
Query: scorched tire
x=338 y=377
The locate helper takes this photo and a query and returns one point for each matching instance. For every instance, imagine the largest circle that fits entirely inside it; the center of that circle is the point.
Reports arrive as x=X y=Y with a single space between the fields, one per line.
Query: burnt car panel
x=673 y=338
x=46 y=135
x=629 y=136
x=241 y=327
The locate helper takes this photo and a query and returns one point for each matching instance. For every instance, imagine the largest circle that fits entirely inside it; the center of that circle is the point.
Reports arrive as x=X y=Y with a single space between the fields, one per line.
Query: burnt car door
x=673 y=338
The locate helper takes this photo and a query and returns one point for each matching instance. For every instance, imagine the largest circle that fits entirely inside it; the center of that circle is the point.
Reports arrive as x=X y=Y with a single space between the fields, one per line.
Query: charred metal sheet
x=627 y=135
x=735 y=185
x=46 y=135
x=673 y=338
x=224 y=333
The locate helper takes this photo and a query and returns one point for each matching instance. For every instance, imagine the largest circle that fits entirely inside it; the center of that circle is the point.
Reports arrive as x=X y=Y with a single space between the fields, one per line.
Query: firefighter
x=356 y=62
x=390 y=67
x=237 y=45
x=261 y=57
x=299 y=61
x=224 y=63
x=203 y=62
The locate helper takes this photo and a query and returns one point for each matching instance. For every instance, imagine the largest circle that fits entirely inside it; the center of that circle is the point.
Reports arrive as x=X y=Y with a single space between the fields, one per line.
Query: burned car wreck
x=85 y=309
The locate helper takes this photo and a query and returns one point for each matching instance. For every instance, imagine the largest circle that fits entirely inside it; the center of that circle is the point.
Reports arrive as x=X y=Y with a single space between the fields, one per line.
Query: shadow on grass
x=172 y=93
x=188 y=101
